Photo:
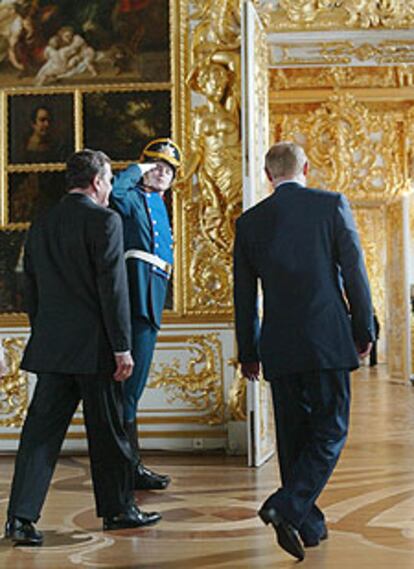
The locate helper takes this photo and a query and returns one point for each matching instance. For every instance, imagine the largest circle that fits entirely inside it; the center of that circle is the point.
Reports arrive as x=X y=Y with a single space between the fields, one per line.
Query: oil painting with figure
x=46 y=42
x=41 y=128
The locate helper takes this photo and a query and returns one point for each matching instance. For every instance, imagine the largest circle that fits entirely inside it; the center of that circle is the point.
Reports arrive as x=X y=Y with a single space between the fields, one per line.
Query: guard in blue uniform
x=137 y=196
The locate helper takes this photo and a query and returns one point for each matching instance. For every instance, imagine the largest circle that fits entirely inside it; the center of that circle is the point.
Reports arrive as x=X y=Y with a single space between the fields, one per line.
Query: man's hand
x=365 y=350
x=251 y=370
x=124 y=366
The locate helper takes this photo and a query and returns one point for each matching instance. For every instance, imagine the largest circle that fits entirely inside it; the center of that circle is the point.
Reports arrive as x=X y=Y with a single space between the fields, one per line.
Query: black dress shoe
x=145 y=479
x=315 y=542
x=287 y=535
x=132 y=518
x=22 y=532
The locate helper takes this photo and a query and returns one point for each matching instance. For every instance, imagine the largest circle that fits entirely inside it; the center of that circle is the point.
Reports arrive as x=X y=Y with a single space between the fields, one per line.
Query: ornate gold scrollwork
x=343 y=77
x=215 y=155
x=335 y=14
x=237 y=406
x=14 y=386
x=351 y=148
x=396 y=339
x=200 y=385
x=371 y=223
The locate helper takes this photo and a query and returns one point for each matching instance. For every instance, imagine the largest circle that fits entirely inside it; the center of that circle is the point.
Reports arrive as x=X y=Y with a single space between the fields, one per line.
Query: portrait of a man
x=36 y=136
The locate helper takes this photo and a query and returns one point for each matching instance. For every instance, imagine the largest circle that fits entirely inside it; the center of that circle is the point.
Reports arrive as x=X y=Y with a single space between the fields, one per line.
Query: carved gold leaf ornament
x=284 y=15
x=397 y=273
x=14 y=395
x=237 y=405
x=371 y=224
x=213 y=170
x=351 y=149
x=197 y=382
x=344 y=77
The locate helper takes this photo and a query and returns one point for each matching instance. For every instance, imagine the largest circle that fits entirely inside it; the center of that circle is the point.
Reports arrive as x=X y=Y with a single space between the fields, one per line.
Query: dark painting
x=41 y=128
x=11 y=271
x=121 y=124
x=46 y=42
x=33 y=193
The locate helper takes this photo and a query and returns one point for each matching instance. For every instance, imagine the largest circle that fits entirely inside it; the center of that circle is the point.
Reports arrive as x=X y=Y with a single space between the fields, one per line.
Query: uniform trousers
x=144 y=337
x=312 y=418
x=55 y=400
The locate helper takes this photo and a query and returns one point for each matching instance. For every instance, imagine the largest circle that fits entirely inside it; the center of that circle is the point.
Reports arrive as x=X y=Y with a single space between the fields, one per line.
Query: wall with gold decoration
x=341 y=82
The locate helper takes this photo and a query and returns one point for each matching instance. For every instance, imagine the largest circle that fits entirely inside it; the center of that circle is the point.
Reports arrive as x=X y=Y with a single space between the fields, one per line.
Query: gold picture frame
x=160 y=88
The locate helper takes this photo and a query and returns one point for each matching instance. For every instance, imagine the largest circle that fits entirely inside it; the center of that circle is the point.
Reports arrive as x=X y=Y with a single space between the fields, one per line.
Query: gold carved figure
x=215 y=148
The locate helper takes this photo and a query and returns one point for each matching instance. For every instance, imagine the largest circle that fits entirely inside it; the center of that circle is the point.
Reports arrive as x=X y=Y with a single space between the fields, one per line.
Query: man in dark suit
x=302 y=245
x=77 y=300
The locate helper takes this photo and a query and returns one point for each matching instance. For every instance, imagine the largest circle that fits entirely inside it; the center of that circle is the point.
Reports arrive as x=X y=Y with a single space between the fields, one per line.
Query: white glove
x=147 y=166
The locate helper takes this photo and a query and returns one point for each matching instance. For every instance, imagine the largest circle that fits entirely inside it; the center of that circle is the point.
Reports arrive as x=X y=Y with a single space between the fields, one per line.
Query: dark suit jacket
x=303 y=246
x=76 y=289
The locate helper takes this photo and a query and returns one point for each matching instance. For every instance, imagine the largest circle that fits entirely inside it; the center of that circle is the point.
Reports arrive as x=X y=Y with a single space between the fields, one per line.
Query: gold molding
x=372 y=228
x=395 y=77
x=343 y=53
x=14 y=394
x=295 y=15
x=397 y=274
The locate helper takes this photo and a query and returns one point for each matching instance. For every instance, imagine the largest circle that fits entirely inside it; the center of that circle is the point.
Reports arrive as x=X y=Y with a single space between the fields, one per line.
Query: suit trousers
x=144 y=337
x=312 y=418
x=55 y=400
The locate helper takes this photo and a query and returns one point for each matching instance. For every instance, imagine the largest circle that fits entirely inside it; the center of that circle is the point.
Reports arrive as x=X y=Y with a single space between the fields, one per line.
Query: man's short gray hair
x=285 y=159
x=83 y=166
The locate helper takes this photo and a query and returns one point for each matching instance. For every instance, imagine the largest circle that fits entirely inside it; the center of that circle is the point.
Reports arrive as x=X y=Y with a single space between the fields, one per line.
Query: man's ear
x=306 y=168
x=95 y=182
x=269 y=175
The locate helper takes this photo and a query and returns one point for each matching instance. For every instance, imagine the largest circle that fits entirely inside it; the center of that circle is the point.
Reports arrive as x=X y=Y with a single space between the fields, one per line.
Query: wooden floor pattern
x=209 y=511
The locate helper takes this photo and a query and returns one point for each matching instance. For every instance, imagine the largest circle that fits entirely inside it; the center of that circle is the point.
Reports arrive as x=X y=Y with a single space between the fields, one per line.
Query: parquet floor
x=209 y=511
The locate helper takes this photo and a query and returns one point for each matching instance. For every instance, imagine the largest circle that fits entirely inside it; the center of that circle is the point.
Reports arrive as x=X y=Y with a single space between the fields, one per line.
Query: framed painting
x=103 y=74
x=51 y=42
x=122 y=123
x=11 y=271
x=33 y=193
x=41 y=128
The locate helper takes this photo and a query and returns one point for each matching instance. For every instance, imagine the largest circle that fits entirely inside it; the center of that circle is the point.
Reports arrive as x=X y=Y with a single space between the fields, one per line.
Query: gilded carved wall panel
x=261 y=107
x=396 y=274
x=212 y=182
x=341 y=77
x=197 y=381
x=372 y=228
x=352 y=149
x=289 y=15
x=14 y=394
